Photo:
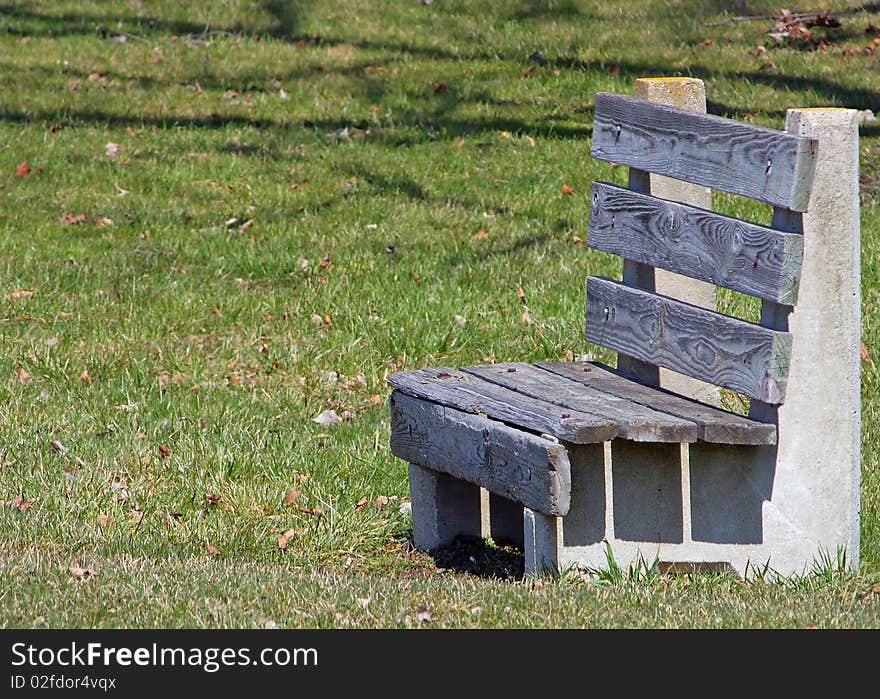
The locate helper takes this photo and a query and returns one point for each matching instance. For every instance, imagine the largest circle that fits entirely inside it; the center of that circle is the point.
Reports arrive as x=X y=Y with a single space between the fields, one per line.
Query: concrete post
x=542 y=542
x=690 y=94
x=818 y=464
x=443 y=507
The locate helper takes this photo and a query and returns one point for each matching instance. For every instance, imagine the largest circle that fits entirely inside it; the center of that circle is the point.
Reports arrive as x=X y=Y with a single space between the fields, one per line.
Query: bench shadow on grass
x=471 y=555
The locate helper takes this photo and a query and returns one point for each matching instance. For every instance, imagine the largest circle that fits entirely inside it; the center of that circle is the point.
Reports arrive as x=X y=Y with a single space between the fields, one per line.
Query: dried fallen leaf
x=526 y=317
x=461 y=320
x=566 y=189
x=423 y=614
x=480 y=235
x=164 y=451
x=22 y=169
x=438 y=87
x=520 y=294
x=212 y=498
x=247 y=224
x=19 y=503
x=325 y=261
x=285 y=537
x=59 y=447
x=327 y=418
x=72 y=219
x=82 y=573
x=292 y=496
x=302 y=264
x=102 y=520
x=381 y=501
x=316 y=511
x=361 y=503
x=23 y=374
x=866 y=357
x=111 y=149
x=213 y=550
x=85 y=377
x=18 y=294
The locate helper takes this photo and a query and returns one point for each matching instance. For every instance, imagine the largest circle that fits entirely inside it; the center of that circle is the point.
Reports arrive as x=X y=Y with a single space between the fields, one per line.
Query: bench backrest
x=771 y=166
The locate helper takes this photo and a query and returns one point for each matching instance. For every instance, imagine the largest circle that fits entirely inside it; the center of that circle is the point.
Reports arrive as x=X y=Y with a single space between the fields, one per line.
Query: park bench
x=580 y=463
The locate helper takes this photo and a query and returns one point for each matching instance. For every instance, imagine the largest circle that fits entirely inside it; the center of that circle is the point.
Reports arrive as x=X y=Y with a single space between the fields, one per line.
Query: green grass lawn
x=300 y=198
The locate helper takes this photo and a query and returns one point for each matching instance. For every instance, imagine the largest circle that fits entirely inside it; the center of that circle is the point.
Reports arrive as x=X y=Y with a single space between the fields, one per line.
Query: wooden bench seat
x=580 y=403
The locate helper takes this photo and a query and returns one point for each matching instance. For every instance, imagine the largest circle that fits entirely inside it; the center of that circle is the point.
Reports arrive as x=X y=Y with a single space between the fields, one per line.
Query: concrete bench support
x=443 y=507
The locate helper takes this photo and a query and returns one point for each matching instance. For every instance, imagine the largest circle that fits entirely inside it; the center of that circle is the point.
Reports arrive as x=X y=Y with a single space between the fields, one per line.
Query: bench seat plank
x=514 y=464
x=470 y=394
x=635 y=421
x=718 y=249
x=715 y=425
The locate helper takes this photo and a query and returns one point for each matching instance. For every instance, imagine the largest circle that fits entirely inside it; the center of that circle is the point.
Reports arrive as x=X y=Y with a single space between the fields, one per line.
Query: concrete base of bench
x=686 y=506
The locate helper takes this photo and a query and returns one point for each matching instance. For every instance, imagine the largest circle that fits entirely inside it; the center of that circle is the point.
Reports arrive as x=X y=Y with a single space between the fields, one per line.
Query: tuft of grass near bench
x=301 y=198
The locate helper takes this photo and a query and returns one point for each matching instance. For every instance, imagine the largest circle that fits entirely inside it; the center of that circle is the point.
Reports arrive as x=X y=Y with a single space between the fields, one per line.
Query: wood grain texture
x=636 y=422
x=709 y=346
x=715 y=425
x=471 y=394
x=697 y=243
x=517 y=465
x=771 y=166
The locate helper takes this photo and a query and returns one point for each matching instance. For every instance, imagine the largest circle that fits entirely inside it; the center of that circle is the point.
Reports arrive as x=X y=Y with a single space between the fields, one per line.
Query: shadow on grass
x=474 y=556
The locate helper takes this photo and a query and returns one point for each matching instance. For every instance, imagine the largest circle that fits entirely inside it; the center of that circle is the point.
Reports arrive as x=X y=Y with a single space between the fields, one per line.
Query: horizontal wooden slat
x=703 y=344
x=771 y=166
x=715 y=425
x=695 y=242
x=517 y=465
x=471 y=394
x=636 y=422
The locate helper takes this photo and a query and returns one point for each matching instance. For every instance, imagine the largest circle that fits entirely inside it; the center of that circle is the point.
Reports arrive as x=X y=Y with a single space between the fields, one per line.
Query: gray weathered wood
x=471 y=394
x=643 y=276
x=771 y=166
x=709 y=346
x=715 y=425
x=517 y=465
x=636 y=422
x=725 y=251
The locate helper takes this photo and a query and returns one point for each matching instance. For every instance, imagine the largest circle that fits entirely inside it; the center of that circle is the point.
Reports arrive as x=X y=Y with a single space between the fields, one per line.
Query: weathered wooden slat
x=471 y=394
x=715 y=425
x=695 y=242
x=517 y=465
x=771 y=166
x=636 y=422
x=709 y=346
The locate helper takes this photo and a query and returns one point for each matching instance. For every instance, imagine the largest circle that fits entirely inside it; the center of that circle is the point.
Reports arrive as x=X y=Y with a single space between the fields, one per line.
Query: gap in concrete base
x=646 y=492
x=585 y=522
x=729 y=485
x=506 y=521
